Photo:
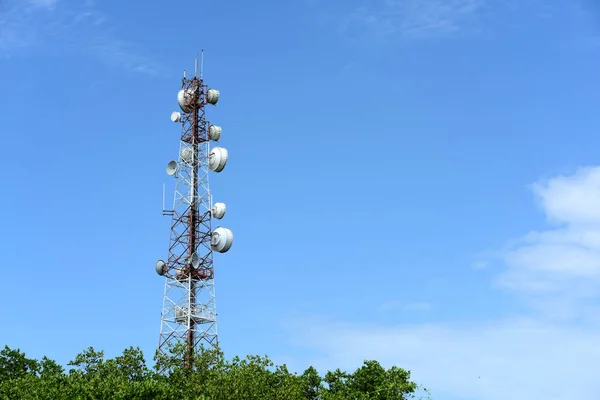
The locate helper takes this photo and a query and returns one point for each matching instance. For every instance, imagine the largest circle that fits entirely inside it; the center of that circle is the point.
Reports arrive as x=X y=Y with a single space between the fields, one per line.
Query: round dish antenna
x=214 y=132
x=161 y=267
x=187 y=154
x=175 y=116
x=171 y=168
x=218 y=210
x=195 y=260
x=217 y=159
x=212 y=96
x=221 y=239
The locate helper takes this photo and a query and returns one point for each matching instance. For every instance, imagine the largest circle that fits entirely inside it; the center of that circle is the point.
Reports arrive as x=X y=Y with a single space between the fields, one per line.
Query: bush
x=211 y=377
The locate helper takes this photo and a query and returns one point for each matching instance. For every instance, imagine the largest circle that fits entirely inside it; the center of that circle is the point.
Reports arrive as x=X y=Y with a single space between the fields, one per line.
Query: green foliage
x=212 y=377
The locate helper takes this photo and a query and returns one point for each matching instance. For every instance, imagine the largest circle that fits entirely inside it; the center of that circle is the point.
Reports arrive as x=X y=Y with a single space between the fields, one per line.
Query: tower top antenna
x=202 y=64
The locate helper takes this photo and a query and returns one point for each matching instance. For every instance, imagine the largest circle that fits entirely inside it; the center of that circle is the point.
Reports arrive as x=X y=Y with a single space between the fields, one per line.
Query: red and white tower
x=189 y=308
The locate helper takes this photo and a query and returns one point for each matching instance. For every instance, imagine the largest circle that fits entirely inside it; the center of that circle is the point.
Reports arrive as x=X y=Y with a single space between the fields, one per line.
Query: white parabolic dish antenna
x=214 y=132
x=175 y=116
x=217 y=159
x=212 y=96
x=161 y=267
x=185 y=99
x=218 y=210
x=186 y=154
x=221 y=239
x=171 y=168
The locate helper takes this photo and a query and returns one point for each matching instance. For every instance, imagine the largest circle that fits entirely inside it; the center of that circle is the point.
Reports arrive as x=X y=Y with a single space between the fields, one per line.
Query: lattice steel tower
x=189 y=308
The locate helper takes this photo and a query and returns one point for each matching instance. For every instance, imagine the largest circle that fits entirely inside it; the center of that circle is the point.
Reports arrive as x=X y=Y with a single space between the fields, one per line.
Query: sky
x=411 y=181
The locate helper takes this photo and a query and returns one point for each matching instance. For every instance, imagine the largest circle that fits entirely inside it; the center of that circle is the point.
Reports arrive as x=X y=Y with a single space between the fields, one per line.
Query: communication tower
x=189 y=308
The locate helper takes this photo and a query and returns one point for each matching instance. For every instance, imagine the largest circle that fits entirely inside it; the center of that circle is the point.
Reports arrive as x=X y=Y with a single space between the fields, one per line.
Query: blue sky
x=416 y=182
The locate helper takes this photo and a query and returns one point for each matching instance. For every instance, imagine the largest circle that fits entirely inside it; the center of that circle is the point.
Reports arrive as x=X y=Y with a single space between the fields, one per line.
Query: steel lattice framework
x=189 y=308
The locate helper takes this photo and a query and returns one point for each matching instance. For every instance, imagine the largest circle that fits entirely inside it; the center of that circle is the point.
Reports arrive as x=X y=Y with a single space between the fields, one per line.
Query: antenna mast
x=189 y=306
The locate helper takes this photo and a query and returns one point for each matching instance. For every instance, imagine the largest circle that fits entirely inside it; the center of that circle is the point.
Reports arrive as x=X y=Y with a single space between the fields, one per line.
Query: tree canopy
x=212 y=377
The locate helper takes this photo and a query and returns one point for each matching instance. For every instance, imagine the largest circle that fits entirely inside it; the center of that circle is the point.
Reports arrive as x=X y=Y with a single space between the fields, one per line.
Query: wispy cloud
x=441 y=18
x=412 y=17
x=79 y=27
x=550 y=351
x=16 y=29
x=517 y=359
x=44 y=3
x=404 y=306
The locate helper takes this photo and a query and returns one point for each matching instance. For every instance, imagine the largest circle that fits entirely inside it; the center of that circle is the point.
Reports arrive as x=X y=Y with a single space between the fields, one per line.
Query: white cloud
x=564 y=261
x=572 y=199
x=551 y=354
